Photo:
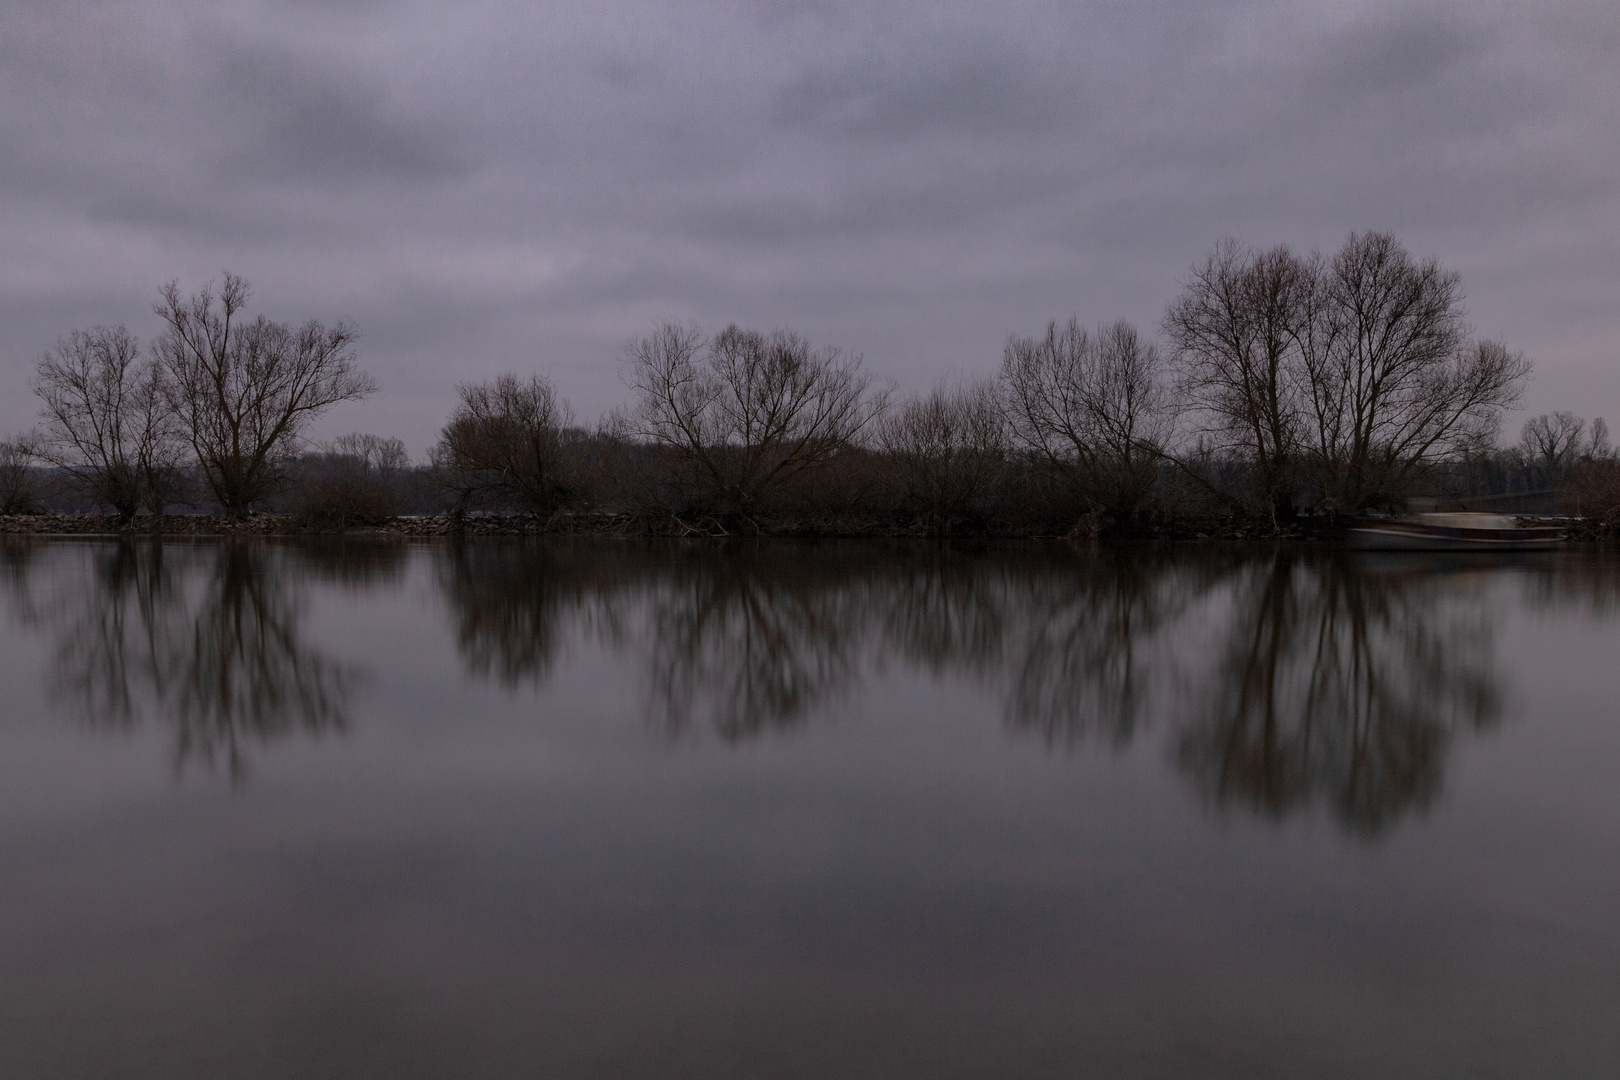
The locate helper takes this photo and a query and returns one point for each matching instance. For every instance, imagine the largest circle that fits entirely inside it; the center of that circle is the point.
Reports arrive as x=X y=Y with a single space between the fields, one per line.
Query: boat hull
x=1410 y=536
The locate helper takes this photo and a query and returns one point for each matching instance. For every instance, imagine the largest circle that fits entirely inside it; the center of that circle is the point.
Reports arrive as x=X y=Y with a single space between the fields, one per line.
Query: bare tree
x=1558 y=451
x=1553 y=442
x=1392 y=380
x=1095 y=408
x=244 y=392
x=746 y=411
x=1233 y=329
x=383 y=456
x=1597 y=447
x=946 y=448
x=107 y=418
x=507 y=438
x=1355 y=373
x=18 y=492
x=353 y=480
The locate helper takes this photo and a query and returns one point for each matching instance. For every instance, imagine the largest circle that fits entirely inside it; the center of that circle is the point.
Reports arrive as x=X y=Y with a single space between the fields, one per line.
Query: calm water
x=613 y=809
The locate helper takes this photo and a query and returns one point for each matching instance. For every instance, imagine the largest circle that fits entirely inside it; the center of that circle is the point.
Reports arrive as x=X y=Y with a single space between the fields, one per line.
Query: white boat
x=1452 y=532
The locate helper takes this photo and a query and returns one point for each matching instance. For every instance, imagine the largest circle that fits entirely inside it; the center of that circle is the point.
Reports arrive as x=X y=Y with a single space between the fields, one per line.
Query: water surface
x=609 y=808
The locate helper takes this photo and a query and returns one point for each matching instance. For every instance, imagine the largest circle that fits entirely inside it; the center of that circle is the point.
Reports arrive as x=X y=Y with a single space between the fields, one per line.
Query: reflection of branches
x=351 y=560
x=223 y=665
x=747 y=636
x=1589 y=579
x=1333 y=683
x=946 y=611
x=754 y=642
x=245 y=671
x=1342 y=684
x=115 y=654
x=512 y=601
x=1087 y=657
x=16 y=552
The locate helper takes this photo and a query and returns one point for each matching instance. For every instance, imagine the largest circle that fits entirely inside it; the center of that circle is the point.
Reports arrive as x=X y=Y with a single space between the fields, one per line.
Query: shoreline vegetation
x=670 y=526
x=1286 y=394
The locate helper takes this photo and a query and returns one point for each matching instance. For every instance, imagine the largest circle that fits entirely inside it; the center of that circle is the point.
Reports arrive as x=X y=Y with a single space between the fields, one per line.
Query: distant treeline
x=1289 y=389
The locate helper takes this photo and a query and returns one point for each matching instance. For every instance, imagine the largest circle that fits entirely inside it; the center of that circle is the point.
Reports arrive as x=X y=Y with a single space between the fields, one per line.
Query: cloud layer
x=519 y=186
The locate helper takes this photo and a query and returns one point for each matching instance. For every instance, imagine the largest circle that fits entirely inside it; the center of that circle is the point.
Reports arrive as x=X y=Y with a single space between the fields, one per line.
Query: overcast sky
x=488 y=186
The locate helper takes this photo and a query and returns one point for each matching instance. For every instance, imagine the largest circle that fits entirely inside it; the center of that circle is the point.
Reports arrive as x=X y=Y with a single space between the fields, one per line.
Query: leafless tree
x=18 y=493
x=1355 y=373
x=107 y=418
x=746 y=411
x=1393 y=381
x=353 y=480
x=1095 y=408
x=1553 y=442
x=1560 y=453
x=507 y=437
x=1234 y=330
x=946 y=448
x=243 y=391
x=383 y=456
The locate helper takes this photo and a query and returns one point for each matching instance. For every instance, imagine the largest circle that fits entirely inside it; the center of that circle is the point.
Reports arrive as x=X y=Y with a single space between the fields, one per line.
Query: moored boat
x=1452 y=532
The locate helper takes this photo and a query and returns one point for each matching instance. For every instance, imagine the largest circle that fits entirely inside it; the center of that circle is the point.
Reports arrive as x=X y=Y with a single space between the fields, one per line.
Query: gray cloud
x=985 y=89
x=524 y=186
x=328 y=133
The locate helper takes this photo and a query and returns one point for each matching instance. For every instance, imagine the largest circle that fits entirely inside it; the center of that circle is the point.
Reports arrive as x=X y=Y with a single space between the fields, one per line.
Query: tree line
x=1288 y=386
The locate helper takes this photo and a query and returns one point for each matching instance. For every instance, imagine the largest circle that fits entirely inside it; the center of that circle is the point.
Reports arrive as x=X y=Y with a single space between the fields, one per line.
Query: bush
x=19 y=487
x=352 y=482
x=339 y=499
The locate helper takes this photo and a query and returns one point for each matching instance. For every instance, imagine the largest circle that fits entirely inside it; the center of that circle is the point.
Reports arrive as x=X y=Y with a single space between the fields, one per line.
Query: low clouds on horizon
x=506 y=186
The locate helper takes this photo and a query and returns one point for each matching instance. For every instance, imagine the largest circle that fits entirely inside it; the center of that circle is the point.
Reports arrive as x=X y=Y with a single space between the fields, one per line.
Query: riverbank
x=677 y=526
x=602 y=524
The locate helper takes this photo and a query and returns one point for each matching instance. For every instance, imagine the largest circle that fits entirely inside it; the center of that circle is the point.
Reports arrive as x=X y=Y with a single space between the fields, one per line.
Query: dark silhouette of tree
x=745 y=412
x=946 y=450
x=19 y=490
x=1347 y=376
x=353 y=480
x=108 y=421
x=243 y=392
x=1093 y=408
x=1233 y=330
x=1392 y=379
x=508 y=439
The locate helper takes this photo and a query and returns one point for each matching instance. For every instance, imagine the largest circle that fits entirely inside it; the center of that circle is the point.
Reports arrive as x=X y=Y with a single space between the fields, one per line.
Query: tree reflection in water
x=1343 y=683
x=355 y=562
x=1095 y=652
x=1586 y=578
x=514 y=603
x=16 y=555
x=221 y=660
x=1293 y=680
x=745 y=636
x=946 y=609
x=754 y=640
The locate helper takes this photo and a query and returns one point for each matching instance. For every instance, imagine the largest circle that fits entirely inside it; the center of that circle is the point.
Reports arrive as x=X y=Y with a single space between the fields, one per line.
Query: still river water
x=605 y=809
